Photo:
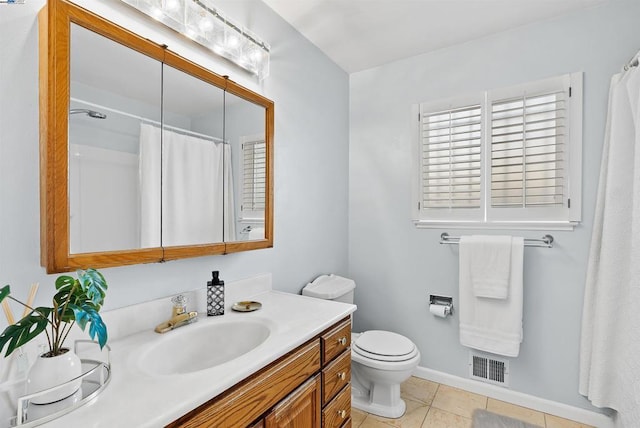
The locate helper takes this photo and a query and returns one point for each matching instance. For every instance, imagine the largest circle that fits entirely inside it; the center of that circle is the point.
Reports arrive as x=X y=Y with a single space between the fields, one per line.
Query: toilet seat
x=384 y=346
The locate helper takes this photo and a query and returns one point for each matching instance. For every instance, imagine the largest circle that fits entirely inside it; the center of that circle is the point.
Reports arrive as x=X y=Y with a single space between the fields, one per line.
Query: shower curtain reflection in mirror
x=186 y=198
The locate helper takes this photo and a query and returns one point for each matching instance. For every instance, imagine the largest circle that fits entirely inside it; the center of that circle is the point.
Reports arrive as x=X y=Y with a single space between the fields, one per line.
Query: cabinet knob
x=342 y=341
x=342 y=376
x=342 y=413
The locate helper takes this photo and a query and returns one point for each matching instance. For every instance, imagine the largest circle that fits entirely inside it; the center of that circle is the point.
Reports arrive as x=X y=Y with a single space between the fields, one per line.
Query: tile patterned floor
x=432 y=405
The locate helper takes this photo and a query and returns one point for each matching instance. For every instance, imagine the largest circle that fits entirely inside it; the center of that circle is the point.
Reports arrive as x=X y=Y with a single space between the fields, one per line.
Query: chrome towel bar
x=546 y=241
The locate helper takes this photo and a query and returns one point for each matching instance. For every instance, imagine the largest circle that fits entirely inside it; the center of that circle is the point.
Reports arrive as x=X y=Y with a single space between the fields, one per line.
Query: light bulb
x=205 y=24
x=170 y=5
x=256 y=56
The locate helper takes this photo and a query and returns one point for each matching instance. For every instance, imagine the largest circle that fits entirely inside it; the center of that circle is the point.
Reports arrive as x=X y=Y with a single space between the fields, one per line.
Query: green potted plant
x=76 y=301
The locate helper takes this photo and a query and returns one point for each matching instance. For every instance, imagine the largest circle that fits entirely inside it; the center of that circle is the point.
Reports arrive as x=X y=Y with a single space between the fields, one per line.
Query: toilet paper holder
x=445 y=301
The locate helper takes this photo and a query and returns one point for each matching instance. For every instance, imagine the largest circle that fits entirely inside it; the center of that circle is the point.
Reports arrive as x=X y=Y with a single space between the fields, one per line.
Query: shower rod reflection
x=91 y=113
x=147 y=120
x=546 y=241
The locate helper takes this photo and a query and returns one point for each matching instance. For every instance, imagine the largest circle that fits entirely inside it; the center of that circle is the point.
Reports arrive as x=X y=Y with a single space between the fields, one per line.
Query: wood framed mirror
x=145 y=156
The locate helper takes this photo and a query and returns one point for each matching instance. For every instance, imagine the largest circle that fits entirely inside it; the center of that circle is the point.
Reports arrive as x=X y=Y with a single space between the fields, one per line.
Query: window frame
x=488 y=217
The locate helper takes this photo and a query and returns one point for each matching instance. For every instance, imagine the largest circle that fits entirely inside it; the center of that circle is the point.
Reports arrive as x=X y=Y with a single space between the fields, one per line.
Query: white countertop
x=134 y=398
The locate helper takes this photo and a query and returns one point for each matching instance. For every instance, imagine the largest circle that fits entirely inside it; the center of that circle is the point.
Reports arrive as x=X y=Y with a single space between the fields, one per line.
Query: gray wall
x=397 y=266
x=311 y=158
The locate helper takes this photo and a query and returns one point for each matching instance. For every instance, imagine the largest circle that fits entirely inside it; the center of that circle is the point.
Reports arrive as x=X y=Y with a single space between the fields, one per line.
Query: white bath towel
x=489 y=259
x=492 y=325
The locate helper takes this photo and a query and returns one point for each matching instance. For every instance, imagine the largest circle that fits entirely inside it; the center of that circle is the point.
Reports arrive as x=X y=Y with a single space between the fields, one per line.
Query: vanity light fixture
x=202 y=22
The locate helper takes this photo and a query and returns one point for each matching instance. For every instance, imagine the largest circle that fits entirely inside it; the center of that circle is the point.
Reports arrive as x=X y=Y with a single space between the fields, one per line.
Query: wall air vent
x=488 y=369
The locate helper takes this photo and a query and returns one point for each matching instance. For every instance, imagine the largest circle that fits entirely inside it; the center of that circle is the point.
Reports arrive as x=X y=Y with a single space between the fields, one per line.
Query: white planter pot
x=47 y=372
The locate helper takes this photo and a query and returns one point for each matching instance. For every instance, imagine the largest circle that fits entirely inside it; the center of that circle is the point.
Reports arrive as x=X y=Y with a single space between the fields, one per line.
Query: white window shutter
x=529 y=152
x=451 y=158
x=254 y=176
x=450 y=161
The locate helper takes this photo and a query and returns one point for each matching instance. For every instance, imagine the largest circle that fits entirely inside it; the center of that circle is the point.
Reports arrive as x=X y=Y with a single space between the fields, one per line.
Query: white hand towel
x=492 y=325
x=489 y=263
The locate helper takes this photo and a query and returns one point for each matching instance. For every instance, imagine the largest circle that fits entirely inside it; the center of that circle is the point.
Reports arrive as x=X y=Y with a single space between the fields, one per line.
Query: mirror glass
x=245 y=132
x=109 y=105
x=197 y=178
x=196 y=163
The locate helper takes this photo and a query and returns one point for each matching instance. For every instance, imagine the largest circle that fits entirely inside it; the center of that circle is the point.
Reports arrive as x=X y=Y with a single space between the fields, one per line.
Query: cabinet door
x=301 y=409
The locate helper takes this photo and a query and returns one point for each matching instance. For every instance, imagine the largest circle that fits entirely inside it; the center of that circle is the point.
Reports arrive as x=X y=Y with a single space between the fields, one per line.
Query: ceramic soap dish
x=246 y=306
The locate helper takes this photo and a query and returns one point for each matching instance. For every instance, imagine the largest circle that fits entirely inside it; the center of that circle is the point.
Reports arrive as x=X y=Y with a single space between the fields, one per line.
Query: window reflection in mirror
x=245 y=131
x=108 y=104
x=196 y=166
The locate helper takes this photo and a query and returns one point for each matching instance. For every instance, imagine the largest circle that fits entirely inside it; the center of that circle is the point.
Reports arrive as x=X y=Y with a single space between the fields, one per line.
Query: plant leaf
x=24 y=330
x=68 y=289
x=64 y=281
x=4 y=292
x=59 y=308
x=94 y=285
x=88 y=314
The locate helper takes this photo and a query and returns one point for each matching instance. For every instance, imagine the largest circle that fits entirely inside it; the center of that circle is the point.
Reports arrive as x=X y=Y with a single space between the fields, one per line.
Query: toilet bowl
x=380 y=360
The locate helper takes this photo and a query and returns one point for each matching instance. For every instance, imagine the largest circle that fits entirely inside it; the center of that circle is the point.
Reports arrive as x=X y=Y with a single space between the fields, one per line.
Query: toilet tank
x=331 y=287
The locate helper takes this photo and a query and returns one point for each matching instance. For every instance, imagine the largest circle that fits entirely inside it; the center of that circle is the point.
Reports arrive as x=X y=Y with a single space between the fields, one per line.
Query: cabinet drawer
x=338 y=411
x=335 y=376
x=336 y=341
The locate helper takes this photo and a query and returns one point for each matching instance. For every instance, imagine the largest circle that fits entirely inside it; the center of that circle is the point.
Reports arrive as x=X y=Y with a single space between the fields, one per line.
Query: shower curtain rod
x=546 y=241
x=154 y=122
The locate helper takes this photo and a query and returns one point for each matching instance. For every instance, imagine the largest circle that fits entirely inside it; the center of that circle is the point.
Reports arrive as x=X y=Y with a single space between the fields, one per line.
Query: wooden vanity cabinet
x=309 y=387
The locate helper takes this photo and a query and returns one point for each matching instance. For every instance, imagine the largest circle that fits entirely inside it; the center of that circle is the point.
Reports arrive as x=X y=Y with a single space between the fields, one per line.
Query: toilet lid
x=383 y=345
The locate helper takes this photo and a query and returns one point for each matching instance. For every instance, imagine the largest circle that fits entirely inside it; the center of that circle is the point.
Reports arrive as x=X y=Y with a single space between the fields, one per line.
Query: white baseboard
x=577 y=414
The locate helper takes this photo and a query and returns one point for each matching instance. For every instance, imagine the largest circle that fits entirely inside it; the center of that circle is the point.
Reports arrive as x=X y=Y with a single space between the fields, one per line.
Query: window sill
x=533 y=225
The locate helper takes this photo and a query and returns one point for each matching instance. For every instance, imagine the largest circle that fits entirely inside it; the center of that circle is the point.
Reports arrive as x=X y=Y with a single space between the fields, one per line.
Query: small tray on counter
x=246 y=306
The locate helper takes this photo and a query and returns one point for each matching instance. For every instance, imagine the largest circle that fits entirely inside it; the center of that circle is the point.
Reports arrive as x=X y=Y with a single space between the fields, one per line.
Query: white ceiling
x=360 y=34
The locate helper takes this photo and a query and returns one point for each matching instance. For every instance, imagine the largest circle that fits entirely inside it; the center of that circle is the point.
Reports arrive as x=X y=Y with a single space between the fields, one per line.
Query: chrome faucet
x=179 y=315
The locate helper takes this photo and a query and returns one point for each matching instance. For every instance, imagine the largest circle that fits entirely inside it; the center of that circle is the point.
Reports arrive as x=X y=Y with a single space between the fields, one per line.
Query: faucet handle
x=179 y=304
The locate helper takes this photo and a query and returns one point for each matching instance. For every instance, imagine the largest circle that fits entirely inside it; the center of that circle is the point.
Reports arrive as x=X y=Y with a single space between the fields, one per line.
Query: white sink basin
x=202 y=345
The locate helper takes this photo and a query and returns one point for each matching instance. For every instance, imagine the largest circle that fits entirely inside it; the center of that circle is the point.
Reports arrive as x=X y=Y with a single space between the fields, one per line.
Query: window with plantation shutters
x=253 y=178
x=505 y=157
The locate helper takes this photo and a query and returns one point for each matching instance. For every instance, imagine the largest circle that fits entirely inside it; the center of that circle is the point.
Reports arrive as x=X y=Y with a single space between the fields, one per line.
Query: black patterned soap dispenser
x=215 y=295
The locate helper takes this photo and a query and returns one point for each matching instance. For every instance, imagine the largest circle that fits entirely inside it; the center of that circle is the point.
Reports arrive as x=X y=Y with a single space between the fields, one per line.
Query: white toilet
x=380 y=360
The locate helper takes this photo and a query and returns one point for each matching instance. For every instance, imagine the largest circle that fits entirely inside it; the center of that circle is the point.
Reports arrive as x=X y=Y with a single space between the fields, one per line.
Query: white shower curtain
x=149 y=169
x=610 y=342
x=196 y=189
